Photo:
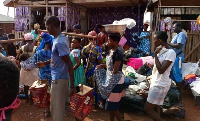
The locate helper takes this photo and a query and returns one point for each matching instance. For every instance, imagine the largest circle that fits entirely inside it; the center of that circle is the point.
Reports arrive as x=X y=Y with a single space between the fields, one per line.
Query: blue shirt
x=59 y=69
x=180 y=38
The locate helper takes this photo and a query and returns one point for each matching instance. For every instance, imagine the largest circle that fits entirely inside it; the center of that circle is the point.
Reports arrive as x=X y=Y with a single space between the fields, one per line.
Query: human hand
x=158 y=49
x=40 y=64
x=98 y=66
x=72 y=91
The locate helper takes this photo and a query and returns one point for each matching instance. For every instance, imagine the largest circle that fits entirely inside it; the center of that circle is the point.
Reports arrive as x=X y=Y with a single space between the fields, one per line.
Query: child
x=28 y=73
x=111 y=82
x=75 y=58
x=9 y=87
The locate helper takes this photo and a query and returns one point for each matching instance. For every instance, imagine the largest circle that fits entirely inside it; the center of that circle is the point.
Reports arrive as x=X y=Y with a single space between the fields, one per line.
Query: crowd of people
x=49 y=56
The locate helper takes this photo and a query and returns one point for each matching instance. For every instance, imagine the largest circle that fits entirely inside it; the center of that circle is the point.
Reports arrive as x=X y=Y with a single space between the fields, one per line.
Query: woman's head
x=145 y=26
x=28 y=37
x=113 y=39
x=102 y=28
x=76 y=28
x=92 y=33
x=160 y=38
x=76 y=43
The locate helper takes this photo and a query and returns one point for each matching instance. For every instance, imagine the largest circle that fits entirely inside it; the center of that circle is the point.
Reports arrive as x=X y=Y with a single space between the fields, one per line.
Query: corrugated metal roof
x=6 y=19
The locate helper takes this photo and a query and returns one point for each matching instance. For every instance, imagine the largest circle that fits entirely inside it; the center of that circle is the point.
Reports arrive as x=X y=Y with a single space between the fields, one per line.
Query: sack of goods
x=38 y=92
x=81 y=102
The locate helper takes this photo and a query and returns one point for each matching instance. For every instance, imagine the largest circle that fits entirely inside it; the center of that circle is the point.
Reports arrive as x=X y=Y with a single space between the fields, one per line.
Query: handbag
x=143 y=69
x=81 y=102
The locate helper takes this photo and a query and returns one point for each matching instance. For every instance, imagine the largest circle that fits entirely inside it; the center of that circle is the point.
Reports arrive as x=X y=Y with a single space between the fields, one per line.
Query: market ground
x=28 y=112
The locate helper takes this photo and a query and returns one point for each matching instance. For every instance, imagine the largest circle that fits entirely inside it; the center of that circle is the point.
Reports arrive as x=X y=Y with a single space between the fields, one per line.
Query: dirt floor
x=28 y=112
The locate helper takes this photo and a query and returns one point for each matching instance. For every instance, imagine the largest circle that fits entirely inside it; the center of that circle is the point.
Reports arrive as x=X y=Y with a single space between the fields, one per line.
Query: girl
x=75 y=58
x=111 y=82
x=160 y=83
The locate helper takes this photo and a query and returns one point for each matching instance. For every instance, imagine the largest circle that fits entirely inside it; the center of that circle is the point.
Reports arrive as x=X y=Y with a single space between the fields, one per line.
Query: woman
x=102 y=36
x=35 y=33
x=75 y=58
x=111 y=82
x=160 y=83
x=28 y=76
x=92 y=54
x=44 y=72
x=145 y=41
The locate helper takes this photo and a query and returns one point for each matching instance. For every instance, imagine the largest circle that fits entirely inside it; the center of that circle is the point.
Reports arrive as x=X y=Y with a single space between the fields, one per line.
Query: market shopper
x=61 y=69
x=178 y=45
x=110 y=82
x=160 y=83
x=45 y=72
x=92 y=54
x=144 y=45
x=36 y=33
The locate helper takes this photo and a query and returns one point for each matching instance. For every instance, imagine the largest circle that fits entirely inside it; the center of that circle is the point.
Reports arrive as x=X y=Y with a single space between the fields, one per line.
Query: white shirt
x=163 y=79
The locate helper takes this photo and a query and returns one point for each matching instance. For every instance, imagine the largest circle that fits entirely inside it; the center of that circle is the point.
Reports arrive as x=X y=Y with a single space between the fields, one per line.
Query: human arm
x=166 y=63
x=116 y=67
x=78 y=63
x=101 y=66
x=68 y=61
x=180 y=41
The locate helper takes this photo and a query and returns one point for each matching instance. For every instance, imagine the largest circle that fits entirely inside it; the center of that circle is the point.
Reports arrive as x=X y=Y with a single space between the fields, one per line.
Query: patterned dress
x=79 y=72
x=111 y=86
x=95 y=55
x=44 y=72
x=145 y=43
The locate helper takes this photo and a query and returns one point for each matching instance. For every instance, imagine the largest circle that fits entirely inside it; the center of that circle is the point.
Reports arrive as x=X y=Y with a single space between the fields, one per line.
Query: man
x=61 y=69
x=177 y=44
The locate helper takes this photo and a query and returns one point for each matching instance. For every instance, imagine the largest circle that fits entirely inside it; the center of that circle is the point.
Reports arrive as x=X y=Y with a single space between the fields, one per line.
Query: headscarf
x=36 y=26
x=92 y=33
x=28 y=36
x=77 y=26
x=46 y=38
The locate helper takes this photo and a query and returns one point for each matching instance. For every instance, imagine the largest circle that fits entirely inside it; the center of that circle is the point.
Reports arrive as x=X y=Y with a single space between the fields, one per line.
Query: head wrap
x=92 y=33
x=46 y=38
x=146 y=23
x=28 y=36
x=36 y=26
x=77 y=26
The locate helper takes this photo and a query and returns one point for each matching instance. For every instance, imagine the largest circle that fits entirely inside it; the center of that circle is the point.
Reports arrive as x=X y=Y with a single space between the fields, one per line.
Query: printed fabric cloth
x=106 y=80
x=145 y=43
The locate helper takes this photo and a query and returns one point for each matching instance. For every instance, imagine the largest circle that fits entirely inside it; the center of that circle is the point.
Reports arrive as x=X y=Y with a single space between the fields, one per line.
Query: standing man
x=177 y=44
x=61 y=71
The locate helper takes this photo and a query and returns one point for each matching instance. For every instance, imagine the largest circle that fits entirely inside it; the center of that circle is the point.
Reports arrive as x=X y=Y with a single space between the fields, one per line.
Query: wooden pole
x=79 y=35
x=30 y=17
x=11 y=40
x=198 y=45
x=66 y=25
x=46 y=10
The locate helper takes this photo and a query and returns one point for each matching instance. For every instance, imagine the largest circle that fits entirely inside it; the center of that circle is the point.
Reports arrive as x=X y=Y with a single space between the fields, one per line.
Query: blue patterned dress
x=95 y=55
x=44 y=72
x=145 y=43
